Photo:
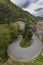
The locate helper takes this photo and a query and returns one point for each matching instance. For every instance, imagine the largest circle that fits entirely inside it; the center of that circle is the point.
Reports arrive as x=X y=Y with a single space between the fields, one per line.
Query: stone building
x=21 y=25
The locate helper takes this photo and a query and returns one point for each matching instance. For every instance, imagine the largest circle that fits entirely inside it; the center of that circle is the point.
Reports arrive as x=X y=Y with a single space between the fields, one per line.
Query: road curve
x=25 y=54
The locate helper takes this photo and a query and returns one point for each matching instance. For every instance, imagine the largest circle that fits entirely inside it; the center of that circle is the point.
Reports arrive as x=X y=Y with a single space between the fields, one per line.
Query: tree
x=8 y=33
x=27 y=32
x=29 y=35
x=42 y=39
x=30 y=22
x=14 y=28
x=4 y=41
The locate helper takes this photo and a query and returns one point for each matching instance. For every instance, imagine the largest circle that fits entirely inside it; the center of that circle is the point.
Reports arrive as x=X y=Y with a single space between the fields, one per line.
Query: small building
x=21 y=25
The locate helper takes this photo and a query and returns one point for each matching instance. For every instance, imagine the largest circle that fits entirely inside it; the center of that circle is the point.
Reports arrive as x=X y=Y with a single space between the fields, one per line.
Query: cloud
x=31 y=8
x=23 y=3
x=41 y=3
x=35 y=7
x=33 y=1
x=18 y=2
x=40 y=13
x=27 y=3
x=39 y=9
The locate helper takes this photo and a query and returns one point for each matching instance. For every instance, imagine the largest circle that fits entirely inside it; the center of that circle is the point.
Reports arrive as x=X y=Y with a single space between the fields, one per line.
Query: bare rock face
x=39 y=28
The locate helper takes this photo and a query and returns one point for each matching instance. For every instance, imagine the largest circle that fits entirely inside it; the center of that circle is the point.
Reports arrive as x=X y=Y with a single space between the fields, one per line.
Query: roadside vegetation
x=8 y=33
x=25 y=43
x=37 y=61
x=42 y=39
x=27 y=36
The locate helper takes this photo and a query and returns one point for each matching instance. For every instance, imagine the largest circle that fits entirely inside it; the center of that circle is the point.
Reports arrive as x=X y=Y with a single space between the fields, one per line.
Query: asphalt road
x=25 y=54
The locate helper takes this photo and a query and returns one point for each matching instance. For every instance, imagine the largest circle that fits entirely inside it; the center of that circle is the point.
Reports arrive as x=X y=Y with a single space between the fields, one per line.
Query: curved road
x=25 y=54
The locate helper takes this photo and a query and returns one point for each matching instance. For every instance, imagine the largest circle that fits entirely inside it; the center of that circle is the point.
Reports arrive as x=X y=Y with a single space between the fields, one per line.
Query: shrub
x=42 y=39
x=24 y=43
x=8 y=33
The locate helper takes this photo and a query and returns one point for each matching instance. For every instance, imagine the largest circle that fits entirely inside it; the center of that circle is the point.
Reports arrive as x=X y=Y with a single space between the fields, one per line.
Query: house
x=21 y=25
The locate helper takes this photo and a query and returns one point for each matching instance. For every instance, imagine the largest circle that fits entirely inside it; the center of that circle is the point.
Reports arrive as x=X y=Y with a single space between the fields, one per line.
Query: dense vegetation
x=27 y=36
x=27 y=32
x=8 y=33
x=37 y=61
x=10 y=12
x=39 y=18
x=24 y=43
x=42 y=39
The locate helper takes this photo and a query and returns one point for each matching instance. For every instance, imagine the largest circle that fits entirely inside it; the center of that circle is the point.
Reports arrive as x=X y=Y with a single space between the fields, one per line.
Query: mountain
x=9 y=12
x=39 y=18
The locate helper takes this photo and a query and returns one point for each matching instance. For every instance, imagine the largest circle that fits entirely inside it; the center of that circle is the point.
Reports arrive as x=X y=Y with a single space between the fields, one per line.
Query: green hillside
x=39 y=18
x=10 y=12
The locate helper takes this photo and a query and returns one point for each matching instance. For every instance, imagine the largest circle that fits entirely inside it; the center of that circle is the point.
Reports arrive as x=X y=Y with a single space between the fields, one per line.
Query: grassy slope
x=37 y=61
x=10 y=12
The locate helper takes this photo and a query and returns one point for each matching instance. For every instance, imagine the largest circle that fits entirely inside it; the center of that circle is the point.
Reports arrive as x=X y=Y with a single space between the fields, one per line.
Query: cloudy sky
x=35 y=7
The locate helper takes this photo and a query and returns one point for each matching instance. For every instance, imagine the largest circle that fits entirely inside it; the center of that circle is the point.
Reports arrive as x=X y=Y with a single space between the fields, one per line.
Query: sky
x=35 y=7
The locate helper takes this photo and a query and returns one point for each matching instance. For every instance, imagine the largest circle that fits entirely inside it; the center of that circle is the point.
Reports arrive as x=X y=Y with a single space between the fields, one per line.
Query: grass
x=42 y=39
x=25 y=43
x=37 y=61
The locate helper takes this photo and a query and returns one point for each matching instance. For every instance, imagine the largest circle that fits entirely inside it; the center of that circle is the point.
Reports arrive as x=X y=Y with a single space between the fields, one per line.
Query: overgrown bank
x=8 y=33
